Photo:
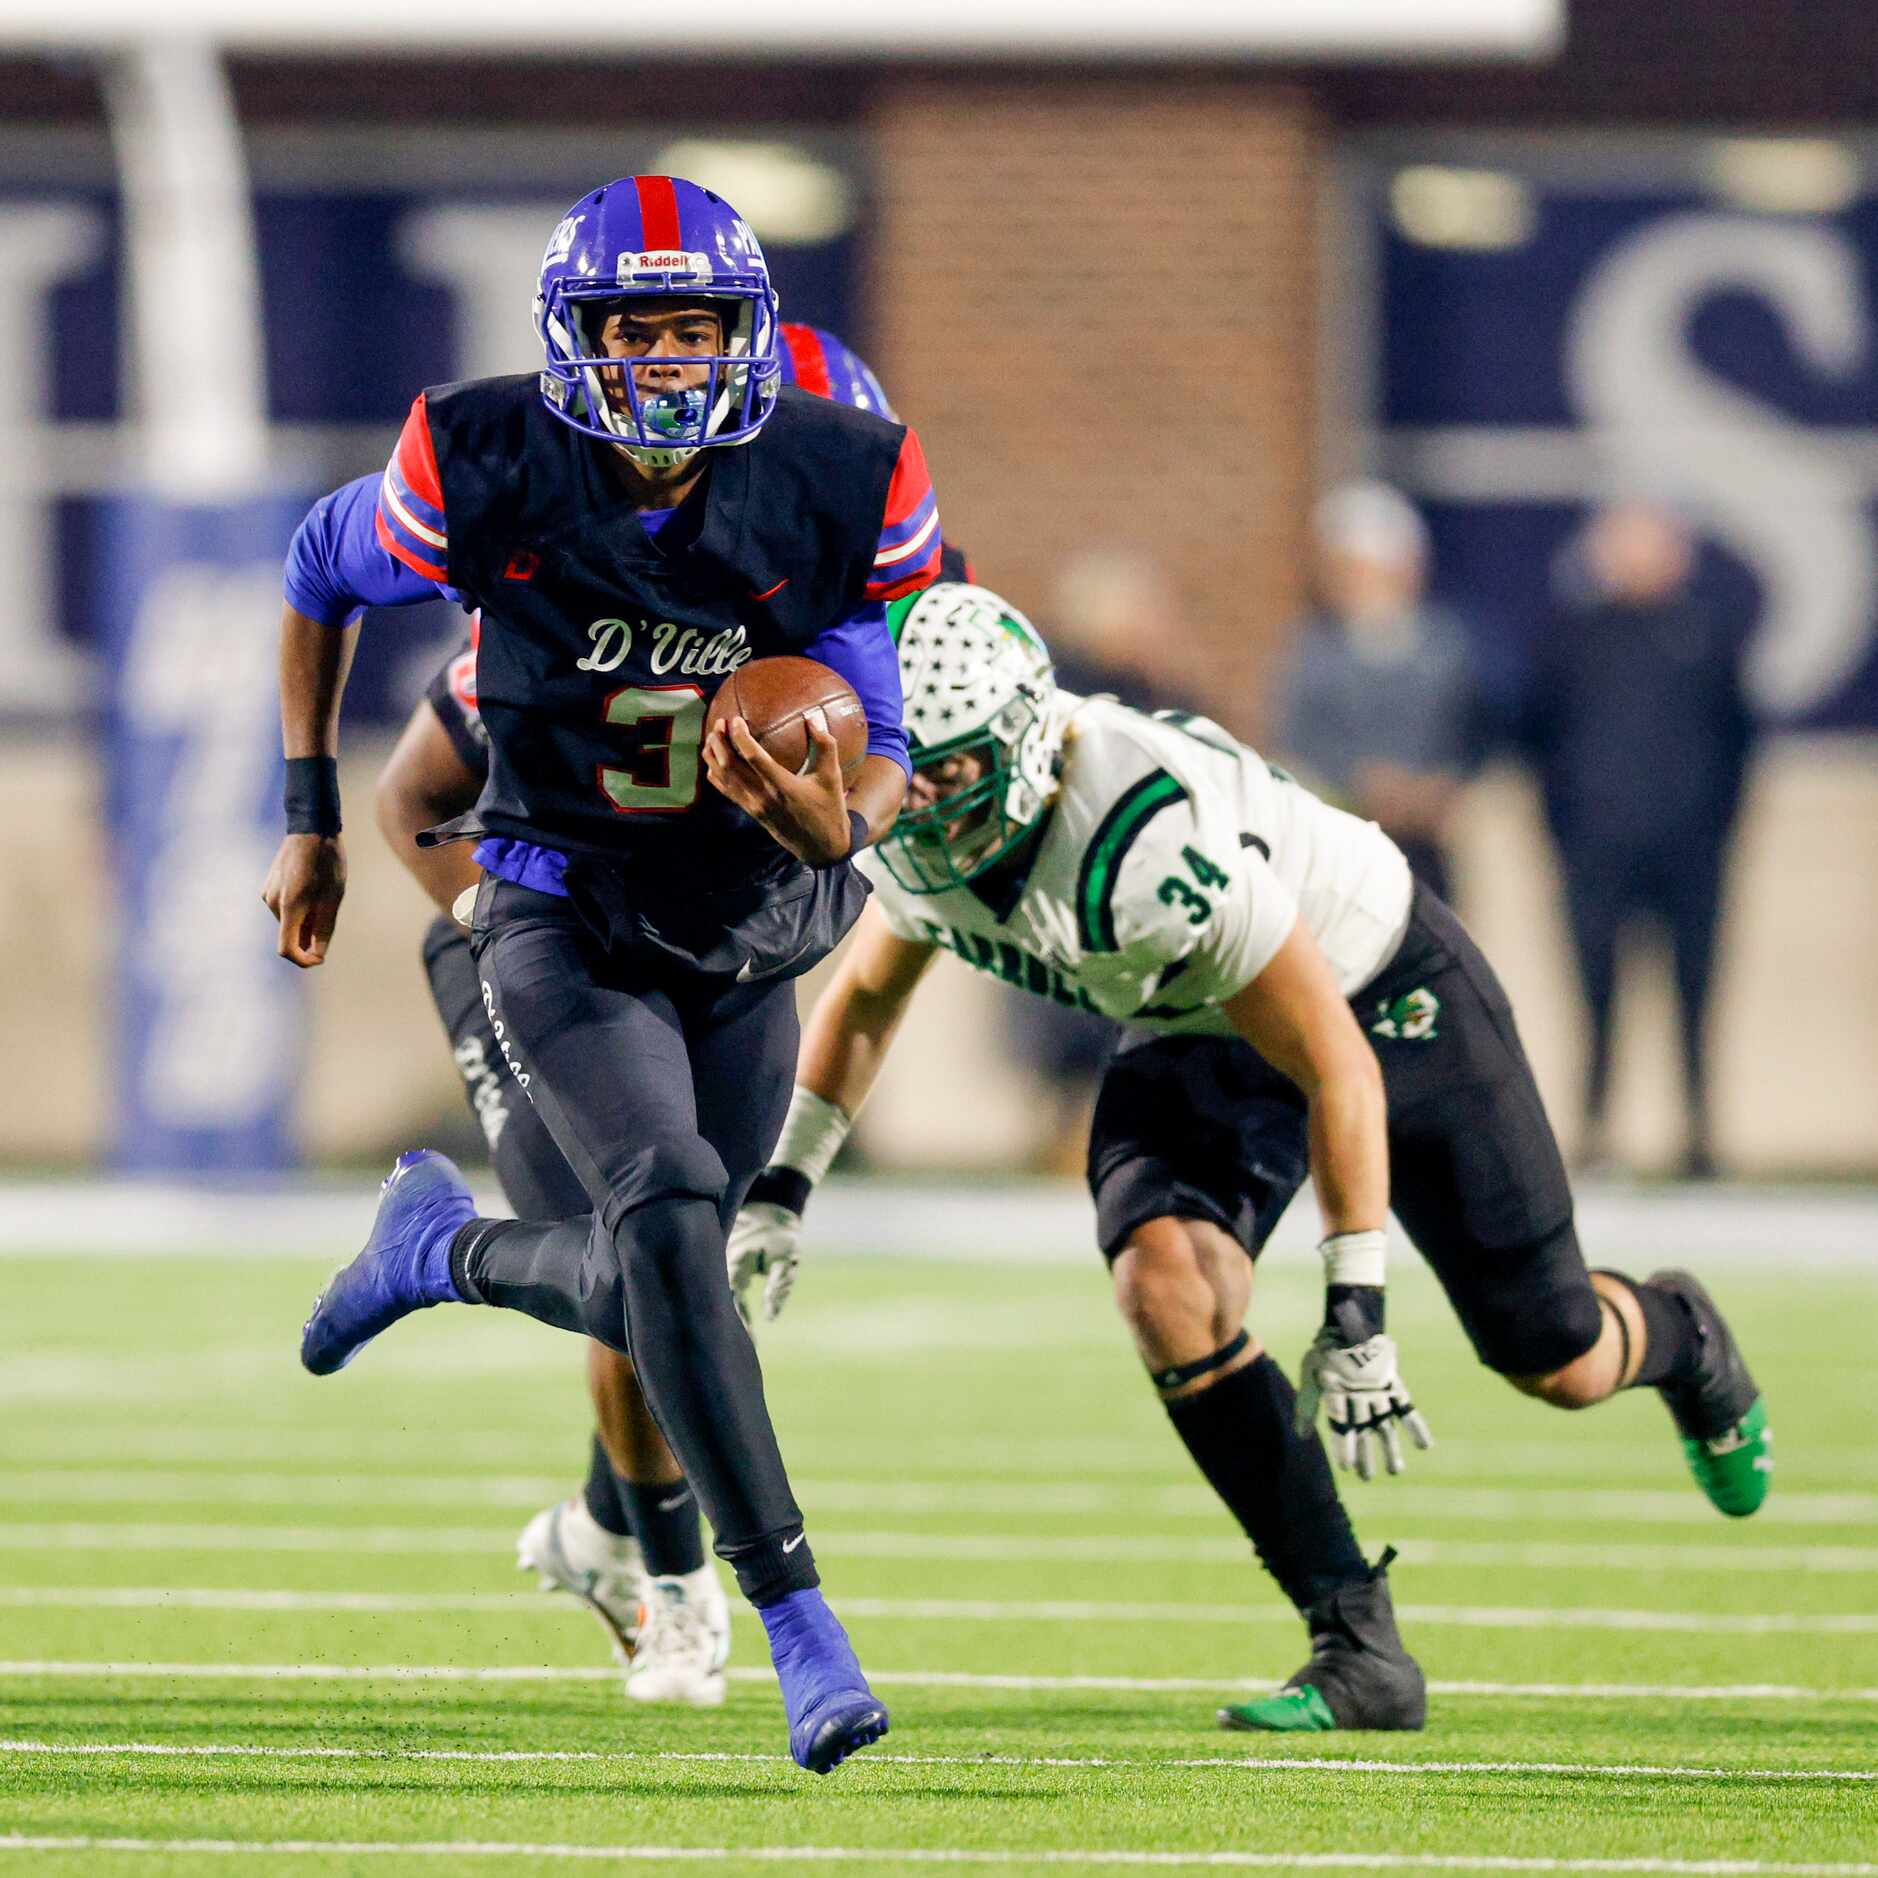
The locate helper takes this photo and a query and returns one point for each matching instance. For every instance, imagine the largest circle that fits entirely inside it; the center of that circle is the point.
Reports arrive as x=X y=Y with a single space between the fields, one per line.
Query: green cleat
x=1719 y=1412
x=1736 y=1467
x=1290 y=1711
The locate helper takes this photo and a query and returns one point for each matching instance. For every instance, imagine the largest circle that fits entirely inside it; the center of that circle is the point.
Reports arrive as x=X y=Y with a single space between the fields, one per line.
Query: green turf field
x=272 y=1623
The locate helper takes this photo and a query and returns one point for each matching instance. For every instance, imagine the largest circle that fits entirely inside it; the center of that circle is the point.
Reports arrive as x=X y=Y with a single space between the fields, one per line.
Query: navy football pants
x=665 y=1092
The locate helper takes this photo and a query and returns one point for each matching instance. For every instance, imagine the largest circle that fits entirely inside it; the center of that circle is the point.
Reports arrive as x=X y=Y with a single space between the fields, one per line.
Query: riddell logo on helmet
x=664 y=261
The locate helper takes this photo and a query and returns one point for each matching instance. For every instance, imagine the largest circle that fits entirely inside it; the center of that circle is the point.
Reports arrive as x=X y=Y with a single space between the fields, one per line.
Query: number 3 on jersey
x=663 y=772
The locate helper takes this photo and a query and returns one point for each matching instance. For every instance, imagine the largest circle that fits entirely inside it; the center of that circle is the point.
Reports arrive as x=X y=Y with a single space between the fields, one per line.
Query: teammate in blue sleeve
x=628 y=1545
x=633 y=524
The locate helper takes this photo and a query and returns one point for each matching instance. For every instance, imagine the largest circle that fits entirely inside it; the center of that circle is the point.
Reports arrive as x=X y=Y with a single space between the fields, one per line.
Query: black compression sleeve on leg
x=602 y=1494
x=665 y=1521
x=548 y=1273
x=1275 y=1482
x=1671 y=1345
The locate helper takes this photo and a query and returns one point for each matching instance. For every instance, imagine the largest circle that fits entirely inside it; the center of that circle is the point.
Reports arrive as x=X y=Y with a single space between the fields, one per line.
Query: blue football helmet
x=656 y=237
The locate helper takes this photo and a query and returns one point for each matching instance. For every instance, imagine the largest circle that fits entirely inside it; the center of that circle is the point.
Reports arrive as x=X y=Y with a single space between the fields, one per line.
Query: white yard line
x=915 y=1679
x=1588 y=1453
x=1096 y=1548
x=1077 y=1858
x=959 y=1610
x=1243 y=1763
x=1400 y=1500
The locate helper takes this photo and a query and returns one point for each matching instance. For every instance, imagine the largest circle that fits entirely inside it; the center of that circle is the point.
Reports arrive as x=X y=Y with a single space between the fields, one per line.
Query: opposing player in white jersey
x=1295 y=1004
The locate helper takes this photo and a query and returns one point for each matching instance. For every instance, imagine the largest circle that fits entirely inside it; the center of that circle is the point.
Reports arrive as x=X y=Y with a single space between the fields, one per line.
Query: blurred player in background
x=1296 y=1003
x=629 y=1545
x=1642 y=734
x=1380 y=706
x=633 y=523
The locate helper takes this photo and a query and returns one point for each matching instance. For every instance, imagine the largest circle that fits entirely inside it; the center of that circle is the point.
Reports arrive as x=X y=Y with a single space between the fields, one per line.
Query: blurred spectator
x=1642 y=736
x=1380 y=708
x=1114 y=619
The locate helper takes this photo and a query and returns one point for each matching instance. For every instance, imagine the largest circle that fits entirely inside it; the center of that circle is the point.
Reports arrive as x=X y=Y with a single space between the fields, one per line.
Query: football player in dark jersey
x=629 y=1544
x=633 y=524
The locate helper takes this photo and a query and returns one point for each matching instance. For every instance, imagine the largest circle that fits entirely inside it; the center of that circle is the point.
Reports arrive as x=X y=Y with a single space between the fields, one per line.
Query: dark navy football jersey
x=451 y=692
x=599 y=647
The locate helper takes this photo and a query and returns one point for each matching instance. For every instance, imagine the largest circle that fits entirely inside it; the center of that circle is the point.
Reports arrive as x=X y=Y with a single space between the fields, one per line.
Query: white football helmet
x=978 y=686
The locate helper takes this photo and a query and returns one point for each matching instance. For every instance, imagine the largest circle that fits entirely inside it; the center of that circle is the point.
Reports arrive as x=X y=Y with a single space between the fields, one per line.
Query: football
x=776 y=696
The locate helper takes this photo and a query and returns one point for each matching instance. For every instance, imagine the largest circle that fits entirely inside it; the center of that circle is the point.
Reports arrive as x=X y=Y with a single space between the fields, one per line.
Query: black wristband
x=1354 y=1312
x=857 y=839
x=311 y=798
x=782 y=1186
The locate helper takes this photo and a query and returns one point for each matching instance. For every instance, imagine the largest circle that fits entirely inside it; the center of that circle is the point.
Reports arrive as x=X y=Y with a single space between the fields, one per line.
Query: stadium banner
x=207 y=1020
x=1689 y=320
x=1079 y=29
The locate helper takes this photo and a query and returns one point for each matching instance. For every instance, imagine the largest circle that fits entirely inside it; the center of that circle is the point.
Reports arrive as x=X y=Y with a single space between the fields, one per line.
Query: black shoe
x=1718 y=1410
x=1359 y=1675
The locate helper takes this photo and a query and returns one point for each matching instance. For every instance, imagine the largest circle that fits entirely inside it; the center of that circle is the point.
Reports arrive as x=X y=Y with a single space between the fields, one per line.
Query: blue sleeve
x=336 y=568
x=861 y=649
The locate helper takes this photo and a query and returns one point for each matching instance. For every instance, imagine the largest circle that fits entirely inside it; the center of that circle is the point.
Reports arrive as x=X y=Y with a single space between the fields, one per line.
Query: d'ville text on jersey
x=675 y=648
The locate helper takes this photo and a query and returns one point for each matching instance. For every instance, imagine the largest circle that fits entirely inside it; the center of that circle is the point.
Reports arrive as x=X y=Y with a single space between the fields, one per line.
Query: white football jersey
x=1171 y=870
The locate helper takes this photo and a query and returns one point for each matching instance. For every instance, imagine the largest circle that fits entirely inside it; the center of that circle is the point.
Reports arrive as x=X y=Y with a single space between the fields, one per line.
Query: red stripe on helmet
x=810 y=358
x=658 y=213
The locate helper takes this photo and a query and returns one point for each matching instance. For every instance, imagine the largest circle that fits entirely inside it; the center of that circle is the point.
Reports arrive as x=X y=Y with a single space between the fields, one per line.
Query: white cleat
x=684 y=1641
x=573 y=1552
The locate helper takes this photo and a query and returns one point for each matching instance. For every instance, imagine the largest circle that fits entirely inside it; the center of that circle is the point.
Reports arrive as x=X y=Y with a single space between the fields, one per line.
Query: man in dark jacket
x=1641 y=736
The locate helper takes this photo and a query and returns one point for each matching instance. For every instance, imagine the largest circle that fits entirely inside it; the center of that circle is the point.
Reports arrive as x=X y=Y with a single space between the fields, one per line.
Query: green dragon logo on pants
x=1409 y=1018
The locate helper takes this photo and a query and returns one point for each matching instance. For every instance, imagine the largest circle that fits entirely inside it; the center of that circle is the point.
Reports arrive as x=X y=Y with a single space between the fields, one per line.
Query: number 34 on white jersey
x=1171 y=867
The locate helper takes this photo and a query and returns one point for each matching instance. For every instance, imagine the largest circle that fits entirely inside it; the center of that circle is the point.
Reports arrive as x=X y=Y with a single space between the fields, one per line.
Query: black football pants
x=665 y=1091
x=534 y=1173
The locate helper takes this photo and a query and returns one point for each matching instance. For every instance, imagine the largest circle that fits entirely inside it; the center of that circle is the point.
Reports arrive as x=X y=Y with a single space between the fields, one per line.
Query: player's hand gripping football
x=1351 y=1369
x=766 y=1238
x=808 y=814
x=303 y=891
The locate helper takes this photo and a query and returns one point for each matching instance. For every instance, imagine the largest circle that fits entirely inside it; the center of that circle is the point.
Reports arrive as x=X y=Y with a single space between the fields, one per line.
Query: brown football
x=773 y=696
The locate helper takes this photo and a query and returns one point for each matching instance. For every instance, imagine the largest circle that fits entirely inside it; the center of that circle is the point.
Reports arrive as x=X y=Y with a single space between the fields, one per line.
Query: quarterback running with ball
x=1296 y=1004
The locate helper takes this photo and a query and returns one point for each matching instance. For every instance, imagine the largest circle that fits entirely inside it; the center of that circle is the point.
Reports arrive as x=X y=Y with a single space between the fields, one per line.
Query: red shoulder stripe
x=399 y=552
x=911 y=484
x=416 y=459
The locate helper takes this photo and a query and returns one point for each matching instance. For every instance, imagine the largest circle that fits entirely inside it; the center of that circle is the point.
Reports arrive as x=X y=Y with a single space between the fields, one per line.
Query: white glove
x=1363 y=1394
x=765 y=1238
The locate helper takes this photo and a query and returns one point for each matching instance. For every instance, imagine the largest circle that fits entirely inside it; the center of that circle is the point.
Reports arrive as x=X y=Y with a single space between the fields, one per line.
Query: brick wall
x=1096 y=301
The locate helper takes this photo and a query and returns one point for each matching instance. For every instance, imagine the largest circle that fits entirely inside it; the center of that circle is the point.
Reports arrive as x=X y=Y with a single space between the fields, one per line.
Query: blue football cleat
x=405 y=1266
x=832 y=1712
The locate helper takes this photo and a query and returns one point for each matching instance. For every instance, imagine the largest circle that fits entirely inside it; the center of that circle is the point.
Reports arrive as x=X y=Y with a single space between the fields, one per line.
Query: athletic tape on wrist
x=812 y=1134
x=311 y=795
x=1182 y=1373
x=1355 y=1258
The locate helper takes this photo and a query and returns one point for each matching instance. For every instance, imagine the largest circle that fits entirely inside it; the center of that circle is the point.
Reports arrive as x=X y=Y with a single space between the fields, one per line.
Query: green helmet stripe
x=898 y=610
x=1121 y=828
